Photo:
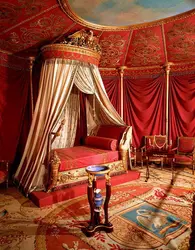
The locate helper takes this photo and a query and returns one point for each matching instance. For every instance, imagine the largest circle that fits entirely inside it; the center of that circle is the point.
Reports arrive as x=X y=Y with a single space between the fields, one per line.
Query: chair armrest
x=173 y=149
x=142 y=149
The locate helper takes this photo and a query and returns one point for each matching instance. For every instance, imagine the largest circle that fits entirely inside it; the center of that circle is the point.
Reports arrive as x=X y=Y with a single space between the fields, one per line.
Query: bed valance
x=70 y=52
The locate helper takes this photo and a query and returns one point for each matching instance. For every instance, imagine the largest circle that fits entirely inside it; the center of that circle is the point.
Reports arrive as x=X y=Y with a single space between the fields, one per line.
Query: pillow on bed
x=101 y=142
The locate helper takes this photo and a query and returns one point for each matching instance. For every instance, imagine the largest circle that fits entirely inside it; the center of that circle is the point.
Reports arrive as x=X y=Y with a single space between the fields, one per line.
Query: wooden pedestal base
x=90 y=230
x=95 y=203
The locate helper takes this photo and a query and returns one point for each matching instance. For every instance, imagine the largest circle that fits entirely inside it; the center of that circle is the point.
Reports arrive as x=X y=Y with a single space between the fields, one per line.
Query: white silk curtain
x=56 y=82
x=70 y=116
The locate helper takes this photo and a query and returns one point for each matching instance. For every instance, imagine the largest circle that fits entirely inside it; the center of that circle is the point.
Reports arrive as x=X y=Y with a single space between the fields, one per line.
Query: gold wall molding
x=175 y=67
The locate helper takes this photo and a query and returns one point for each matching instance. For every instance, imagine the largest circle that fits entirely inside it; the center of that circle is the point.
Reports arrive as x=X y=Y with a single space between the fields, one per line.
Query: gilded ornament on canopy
x=83 y=38
x=81 y=46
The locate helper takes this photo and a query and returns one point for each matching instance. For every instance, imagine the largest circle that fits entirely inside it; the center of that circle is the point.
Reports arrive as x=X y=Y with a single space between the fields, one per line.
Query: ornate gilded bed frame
x=77 y=176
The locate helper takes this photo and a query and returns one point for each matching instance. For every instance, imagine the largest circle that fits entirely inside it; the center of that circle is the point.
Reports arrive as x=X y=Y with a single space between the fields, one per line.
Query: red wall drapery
x=113 y=89
x=14 y=86
x=182 y=106
x=144 y=106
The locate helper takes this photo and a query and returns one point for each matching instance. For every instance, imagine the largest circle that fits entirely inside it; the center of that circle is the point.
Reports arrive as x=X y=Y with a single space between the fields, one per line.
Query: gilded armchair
x=154 y=143
x=185 y=152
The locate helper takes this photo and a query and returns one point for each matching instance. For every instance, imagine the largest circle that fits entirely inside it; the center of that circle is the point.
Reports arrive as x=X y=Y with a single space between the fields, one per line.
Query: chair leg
x=7 y=184
x=130 y=162
x=161 y=162
x=7 y=169
x=135 y=163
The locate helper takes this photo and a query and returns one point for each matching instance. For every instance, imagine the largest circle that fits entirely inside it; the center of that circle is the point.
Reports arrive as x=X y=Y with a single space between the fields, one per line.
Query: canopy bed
x=70 y=66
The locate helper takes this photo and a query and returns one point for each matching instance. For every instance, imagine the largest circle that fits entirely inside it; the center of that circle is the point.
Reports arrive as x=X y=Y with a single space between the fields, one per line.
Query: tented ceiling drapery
x=61 y=71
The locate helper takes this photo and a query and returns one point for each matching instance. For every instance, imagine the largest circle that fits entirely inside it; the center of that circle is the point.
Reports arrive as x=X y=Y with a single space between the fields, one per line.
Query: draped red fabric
x=82 y=125
x=13 y=95
x=112 y=86
x=27 y=119
x=144 y=106
x=182 y=106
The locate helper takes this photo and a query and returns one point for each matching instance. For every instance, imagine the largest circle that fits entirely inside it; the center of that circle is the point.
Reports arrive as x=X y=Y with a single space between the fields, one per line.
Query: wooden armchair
x=185 y=151
x=154 y=143
x=4 y=172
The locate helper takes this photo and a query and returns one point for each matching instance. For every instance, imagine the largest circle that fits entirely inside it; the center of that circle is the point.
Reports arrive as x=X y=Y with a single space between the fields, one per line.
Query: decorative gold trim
x=32 y=59
x=105 y=171
x=6 y=52
x=128 y=43
x=71 y=49
x=72 y=15
x=31 y=18
x=61 y=35
x=121 y=73
x=164 y=42
x=73 y=176
x=149 y=67
x=167 y=68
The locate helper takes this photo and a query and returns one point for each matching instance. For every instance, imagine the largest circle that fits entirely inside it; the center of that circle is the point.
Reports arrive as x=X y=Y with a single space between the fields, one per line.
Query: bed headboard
x=111 y=131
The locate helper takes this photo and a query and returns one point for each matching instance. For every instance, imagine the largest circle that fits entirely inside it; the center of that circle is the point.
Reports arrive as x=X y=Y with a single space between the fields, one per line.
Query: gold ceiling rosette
x=82 y=46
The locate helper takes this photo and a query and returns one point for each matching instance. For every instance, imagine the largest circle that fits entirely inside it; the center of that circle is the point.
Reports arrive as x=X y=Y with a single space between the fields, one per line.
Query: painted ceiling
x=128 y=12
x=27 y=25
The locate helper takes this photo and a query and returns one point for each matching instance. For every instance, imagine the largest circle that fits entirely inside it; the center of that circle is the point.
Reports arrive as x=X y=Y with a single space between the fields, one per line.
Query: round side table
x=95 y=200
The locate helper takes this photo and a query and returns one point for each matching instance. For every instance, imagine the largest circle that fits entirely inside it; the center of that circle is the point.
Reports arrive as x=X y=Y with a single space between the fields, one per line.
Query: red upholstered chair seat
x=183 y=159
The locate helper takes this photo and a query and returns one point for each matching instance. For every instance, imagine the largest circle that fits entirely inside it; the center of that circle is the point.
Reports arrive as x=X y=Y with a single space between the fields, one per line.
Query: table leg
x=147 y=169
x=90 y=194
x=108 y=194
x=172 y=171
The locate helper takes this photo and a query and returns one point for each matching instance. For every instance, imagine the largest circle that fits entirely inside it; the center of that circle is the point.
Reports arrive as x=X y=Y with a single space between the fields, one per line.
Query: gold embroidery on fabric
x=112 y=47
x=144 y=44
x=181 y=41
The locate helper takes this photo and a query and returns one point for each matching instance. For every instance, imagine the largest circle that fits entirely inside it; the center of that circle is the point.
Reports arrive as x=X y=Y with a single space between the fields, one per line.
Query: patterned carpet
x=152 y=215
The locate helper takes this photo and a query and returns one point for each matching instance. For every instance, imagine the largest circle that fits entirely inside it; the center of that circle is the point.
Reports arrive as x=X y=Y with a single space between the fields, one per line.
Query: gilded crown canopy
x=83 y=38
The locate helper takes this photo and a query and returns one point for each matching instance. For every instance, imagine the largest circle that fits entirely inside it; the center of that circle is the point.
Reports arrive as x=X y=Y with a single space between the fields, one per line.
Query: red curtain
x=112 y=86
x=144 y=106
x=182 y=106
x=14 y=86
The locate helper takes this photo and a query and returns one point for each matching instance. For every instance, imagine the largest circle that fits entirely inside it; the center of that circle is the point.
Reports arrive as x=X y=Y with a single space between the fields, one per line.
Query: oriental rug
x=153 y=215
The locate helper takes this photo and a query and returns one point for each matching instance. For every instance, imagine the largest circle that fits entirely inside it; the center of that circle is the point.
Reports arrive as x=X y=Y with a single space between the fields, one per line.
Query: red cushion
x=186 y=145
x=3 y=176
x=111 y=131
x=101 y=142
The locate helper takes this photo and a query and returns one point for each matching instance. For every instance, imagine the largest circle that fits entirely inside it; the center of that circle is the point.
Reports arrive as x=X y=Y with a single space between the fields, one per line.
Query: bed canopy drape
x=66 y=70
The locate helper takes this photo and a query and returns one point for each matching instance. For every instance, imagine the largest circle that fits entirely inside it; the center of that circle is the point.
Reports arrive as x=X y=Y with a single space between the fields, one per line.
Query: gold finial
x=121 y=70
x=167 y=66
